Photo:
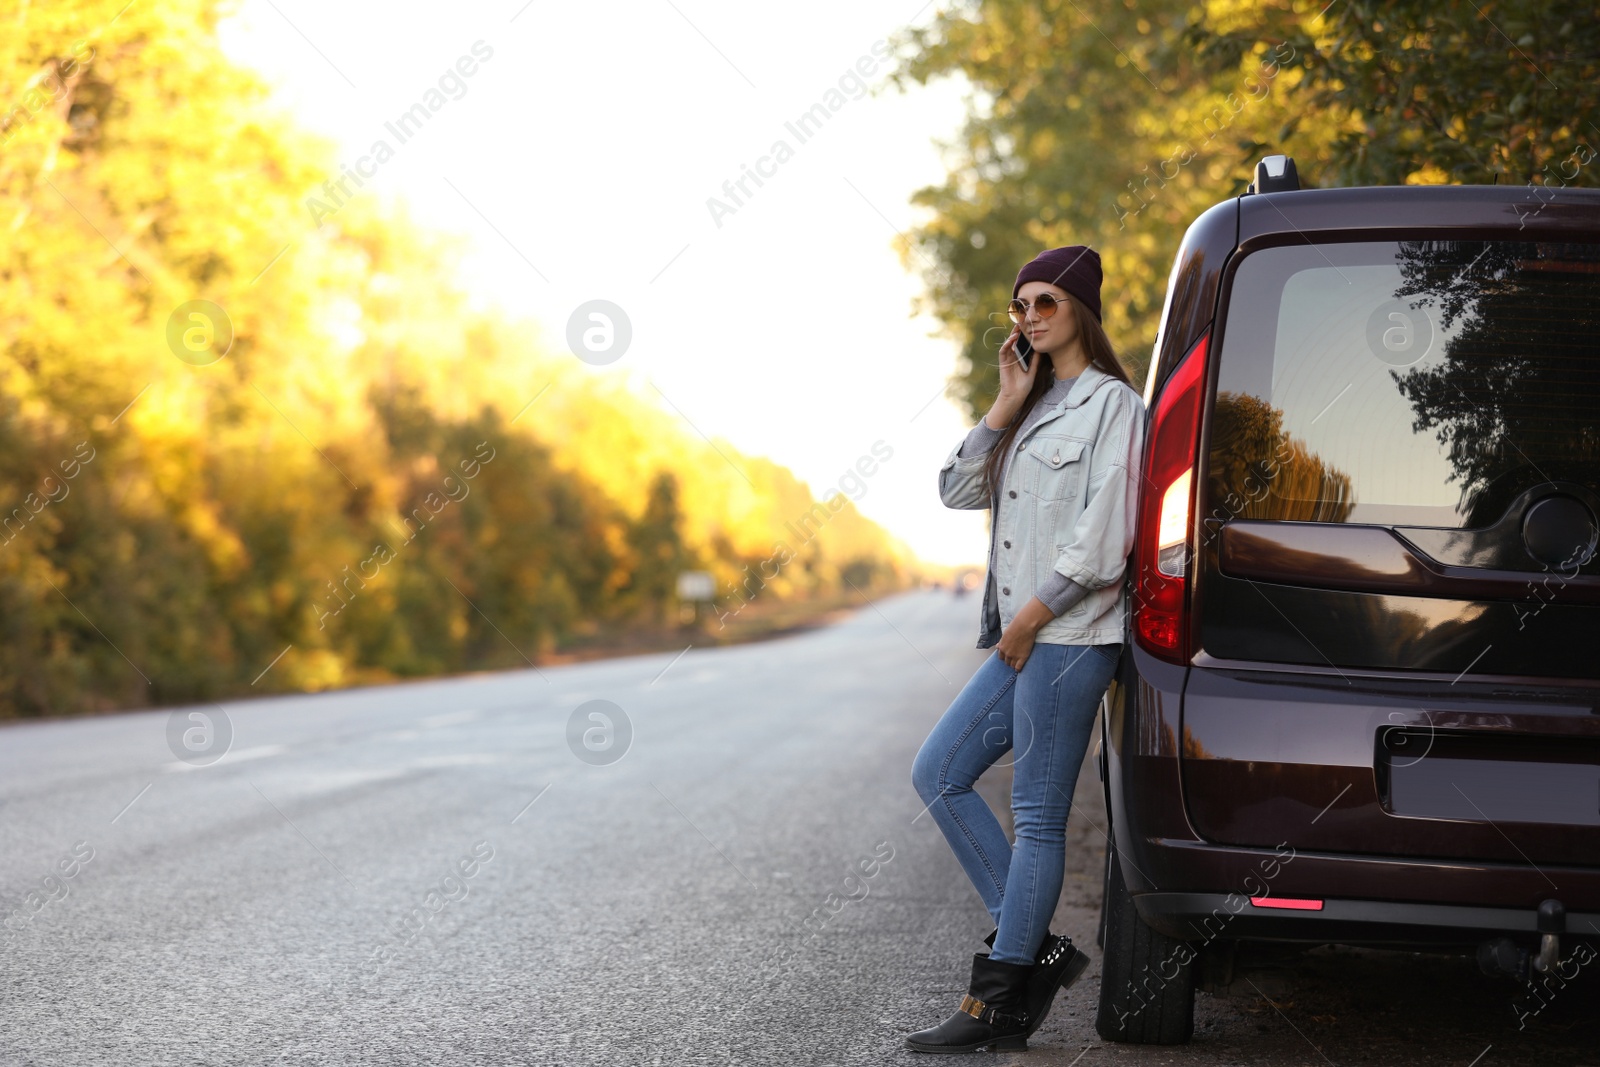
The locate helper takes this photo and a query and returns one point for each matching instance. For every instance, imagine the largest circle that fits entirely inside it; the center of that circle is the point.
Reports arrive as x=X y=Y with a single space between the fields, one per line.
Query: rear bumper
x=1448 y=887
x=1207 y=916
x=1167 y=865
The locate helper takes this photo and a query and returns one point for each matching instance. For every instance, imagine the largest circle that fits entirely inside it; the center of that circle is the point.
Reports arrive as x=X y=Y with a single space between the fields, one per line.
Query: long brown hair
x=1096 y=345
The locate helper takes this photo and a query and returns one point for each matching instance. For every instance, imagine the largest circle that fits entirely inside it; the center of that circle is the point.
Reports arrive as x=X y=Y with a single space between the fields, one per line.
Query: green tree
x=1459 y=91
x=1114 y=124
x=1091 y=123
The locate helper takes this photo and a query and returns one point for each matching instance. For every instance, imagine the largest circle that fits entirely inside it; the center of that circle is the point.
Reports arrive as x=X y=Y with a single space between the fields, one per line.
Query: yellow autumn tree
x=232 y=439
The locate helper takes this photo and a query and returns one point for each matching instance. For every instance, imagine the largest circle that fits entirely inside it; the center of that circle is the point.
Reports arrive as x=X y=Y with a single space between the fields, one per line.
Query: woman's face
x=1059 y=330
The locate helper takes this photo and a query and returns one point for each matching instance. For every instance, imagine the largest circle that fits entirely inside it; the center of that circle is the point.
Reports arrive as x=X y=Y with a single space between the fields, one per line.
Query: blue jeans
x=1044 y=713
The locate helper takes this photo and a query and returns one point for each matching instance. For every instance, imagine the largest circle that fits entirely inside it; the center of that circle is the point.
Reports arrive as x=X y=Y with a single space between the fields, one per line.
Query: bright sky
x=579 y=158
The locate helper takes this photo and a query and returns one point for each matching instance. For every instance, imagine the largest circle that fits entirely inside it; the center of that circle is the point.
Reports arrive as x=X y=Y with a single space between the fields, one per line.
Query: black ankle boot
x=993 y=1015
x=1059 y=963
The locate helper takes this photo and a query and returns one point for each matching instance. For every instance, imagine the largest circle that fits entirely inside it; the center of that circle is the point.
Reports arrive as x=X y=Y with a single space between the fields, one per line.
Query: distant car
x=1361 y=703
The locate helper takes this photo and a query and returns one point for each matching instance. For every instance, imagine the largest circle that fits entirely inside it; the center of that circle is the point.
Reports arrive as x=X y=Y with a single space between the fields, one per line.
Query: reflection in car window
x=1412 y=383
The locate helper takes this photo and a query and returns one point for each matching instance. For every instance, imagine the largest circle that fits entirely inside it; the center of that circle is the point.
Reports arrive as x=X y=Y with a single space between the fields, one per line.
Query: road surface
x=729 y=866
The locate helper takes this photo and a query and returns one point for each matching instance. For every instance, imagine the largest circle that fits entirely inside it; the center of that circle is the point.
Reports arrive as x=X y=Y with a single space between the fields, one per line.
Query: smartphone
x=1023 y=350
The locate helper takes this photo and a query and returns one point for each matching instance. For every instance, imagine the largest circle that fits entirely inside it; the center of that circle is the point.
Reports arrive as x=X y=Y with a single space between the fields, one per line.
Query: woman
x=1057 y=458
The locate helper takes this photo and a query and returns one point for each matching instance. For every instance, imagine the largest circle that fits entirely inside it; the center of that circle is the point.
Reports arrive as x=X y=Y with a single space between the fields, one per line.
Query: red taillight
x=1166 y=511
x=1289 y=903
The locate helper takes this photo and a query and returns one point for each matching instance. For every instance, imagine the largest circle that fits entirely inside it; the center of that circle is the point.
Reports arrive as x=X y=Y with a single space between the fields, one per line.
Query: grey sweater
x=1058 y=592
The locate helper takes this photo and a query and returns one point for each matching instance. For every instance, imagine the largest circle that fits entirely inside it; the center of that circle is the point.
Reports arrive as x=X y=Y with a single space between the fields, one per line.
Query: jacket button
x=1006 y=590
x=1011 y=493
x=1007 y=544
x=1056 y=458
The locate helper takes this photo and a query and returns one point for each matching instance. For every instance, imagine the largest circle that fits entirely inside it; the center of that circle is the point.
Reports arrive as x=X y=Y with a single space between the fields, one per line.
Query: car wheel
x=1146 y=977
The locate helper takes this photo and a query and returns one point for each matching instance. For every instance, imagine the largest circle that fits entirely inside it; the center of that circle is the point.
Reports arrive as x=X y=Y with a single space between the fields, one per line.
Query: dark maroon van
x=1361 y=704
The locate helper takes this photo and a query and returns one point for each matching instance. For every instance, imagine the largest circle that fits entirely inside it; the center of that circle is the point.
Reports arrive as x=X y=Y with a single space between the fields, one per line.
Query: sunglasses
x=1045 y=305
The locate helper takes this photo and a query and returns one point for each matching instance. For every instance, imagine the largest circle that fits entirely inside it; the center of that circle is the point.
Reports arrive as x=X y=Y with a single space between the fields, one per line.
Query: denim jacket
x=1068 y=504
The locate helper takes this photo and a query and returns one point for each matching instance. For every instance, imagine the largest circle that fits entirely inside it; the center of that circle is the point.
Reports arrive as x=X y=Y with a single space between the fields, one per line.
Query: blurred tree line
x=374 y=476
x=1113 y=123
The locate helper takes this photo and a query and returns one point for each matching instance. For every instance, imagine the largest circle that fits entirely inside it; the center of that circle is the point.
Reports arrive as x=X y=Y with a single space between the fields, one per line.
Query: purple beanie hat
x=1075 y=268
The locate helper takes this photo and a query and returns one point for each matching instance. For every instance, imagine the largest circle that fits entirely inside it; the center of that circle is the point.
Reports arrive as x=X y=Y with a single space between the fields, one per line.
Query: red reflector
x=1292 y=903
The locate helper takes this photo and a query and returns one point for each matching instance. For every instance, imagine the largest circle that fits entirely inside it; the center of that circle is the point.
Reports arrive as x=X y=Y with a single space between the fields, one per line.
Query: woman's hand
x=1014 y=382
x=1016 y=644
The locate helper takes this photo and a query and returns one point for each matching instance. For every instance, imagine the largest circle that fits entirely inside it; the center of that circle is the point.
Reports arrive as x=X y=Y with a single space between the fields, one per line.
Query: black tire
x=1105 y=894
x=1146 y=978
x=1102 y=763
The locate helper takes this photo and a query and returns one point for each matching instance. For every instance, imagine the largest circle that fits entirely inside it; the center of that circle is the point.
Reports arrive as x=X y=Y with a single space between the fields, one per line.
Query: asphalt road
x=429 y=874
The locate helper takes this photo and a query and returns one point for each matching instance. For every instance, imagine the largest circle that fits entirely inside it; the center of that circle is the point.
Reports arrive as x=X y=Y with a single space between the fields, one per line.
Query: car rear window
x=1417 y=383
